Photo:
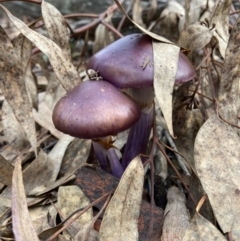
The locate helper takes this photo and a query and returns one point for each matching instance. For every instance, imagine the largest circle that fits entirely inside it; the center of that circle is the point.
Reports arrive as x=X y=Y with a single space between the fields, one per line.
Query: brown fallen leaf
x=123 y=210
x=70 y=199
x=44 y=118
x=166 y=57
x=56 y=26
x=13 y=130
x=13 y=85
x=151 y=34
x=195 y=37
x=6 y=171
x=177 y=217
x=95 y=183
x=229 y=93
x=137 y=13
x=217 y=155
x=200 y=229
x=220 y=18
x=103 y=37
x=23 y=228
x=62 y=66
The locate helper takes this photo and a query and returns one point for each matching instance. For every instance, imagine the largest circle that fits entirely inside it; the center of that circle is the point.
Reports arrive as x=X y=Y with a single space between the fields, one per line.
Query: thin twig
x=70 y=221
x=179 y=158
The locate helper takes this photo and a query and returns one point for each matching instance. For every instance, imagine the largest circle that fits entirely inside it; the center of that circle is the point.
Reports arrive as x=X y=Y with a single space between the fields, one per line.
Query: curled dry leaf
x=56 y=26
x=22 y=224
x=137 y=13
x=103 y=36
x=153 y=35
x=229 y=93
x=12 y=84
x=177 y=217
x=217 y=155
x=200 y=229
x=195 y=37
x=121 y=216
x=164 y=77
x=62 y=66
x=220 y=17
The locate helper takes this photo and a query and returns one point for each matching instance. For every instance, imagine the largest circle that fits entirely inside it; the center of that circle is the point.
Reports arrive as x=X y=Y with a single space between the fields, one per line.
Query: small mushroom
x=128 y=64
x=93 y=110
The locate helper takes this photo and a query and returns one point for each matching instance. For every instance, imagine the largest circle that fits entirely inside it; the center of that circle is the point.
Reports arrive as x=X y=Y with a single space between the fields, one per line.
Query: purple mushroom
x=94 y=110
x=128 y=64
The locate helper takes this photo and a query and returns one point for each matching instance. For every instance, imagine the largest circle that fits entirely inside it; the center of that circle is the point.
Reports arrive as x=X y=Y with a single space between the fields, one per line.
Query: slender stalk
x=105 y=156
x=138 y=138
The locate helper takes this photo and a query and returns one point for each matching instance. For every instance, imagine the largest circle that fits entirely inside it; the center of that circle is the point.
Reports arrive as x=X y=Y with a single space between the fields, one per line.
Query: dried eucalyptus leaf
x=121 y=216
x=6 y=171
x=137 y=13
x=56 y=26
x=103 y=37
x=23 y=50
x=13 y=130
x=62 y=66
x=165 y=68
x=75 y=156
x=195 y=37
x=220 y=17
x=217 y=155
x=22 y=224
x=60 y=182
x=153 y=35
x=177 y=217
x=70 y=199
x=40 y=216
x=235 y=229
x=200 y=229
x=13 y=85
x=229 y=93
x=87 y=233
x=44 y=118
x=56 y=155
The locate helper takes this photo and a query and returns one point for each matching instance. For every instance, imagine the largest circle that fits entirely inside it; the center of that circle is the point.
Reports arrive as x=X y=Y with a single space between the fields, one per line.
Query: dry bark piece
x=96 y=182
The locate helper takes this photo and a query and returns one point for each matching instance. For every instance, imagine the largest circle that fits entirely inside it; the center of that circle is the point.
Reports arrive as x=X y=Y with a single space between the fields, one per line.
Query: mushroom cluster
x=97 y=109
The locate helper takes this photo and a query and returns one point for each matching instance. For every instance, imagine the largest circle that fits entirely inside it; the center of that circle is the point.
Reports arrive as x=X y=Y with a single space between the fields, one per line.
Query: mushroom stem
x=138 y=138
x=139 y=133
x=101 y=155
x=105 y=156
x=116 y=167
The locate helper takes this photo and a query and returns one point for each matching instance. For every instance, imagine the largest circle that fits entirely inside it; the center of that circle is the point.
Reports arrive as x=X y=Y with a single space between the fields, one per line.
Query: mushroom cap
x=95 y=109
x=128 y=63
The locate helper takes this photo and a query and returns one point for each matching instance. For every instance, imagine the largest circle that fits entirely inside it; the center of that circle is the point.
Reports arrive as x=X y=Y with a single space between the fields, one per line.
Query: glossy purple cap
x=95 y=109
x=128 y=63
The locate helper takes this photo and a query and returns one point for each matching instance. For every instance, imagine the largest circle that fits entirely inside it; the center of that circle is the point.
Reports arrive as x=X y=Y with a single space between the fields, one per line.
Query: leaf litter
x=210 y=149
